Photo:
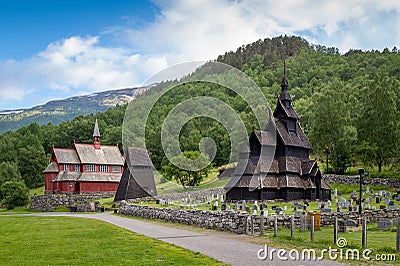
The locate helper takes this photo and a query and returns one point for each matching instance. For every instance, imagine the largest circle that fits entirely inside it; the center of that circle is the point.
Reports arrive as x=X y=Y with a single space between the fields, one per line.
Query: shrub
x=14 y=193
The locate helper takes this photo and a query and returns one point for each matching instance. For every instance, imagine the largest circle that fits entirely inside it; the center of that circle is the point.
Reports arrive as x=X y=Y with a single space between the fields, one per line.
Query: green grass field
x=76 y=241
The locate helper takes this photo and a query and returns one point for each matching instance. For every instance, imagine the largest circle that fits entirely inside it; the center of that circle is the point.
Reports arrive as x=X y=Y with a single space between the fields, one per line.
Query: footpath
x=227 y=250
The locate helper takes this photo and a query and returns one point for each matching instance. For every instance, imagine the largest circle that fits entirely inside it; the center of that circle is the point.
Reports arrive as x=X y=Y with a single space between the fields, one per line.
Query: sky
x=58 y=49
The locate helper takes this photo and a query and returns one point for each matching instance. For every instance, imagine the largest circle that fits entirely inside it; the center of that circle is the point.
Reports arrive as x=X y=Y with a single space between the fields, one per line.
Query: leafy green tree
x=187 y=177
x=378 y=123
x=9 y=171
x=14 y=193
x=330 y=124
x=31 y=162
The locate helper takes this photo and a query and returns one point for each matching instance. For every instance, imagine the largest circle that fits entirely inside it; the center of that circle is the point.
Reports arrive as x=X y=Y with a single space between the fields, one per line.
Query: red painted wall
x=48 y=177
x=98 y=187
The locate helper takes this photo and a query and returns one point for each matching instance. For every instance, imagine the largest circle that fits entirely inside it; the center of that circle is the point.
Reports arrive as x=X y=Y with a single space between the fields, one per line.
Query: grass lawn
x=74 y=241
x=381 y=242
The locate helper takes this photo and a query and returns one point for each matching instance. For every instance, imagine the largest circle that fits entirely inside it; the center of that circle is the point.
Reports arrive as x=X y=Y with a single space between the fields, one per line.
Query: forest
x=349 y=106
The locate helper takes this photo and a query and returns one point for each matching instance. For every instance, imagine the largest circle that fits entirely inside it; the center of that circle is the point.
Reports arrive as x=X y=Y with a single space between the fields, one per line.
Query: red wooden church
x=85 y=168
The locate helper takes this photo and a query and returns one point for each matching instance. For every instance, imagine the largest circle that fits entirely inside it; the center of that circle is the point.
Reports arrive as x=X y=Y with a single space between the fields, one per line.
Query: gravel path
x=230 y=251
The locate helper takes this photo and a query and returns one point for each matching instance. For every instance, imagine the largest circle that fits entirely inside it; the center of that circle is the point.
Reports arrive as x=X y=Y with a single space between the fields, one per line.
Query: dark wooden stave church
x=137 y=180
x=292 y=175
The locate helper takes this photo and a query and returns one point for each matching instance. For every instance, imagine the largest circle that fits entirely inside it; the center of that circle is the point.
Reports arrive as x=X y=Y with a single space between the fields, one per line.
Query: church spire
x=285 y=96
x=284 y=83
x=96 y=136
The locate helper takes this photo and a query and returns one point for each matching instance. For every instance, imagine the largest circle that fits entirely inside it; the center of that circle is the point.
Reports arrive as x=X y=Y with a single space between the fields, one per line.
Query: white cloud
x=71 y=65
x=194 y=30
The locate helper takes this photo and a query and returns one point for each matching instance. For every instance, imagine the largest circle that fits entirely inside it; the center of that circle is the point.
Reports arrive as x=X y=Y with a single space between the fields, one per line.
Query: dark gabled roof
x=325 y=185
x=265 y=137
x=307 y=166
x=51 y=168
x=138 y=156
x=99 y=177
x=298 y=139
x=67 y=156
x=109 y=155
x=137 y=179
x=288 y=111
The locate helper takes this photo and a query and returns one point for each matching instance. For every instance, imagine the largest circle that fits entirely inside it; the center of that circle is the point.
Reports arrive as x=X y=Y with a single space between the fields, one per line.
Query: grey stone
x=351 y=223
x=385 y=224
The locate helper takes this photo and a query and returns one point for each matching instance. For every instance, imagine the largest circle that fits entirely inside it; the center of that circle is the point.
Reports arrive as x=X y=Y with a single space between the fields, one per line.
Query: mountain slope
x=58 y=111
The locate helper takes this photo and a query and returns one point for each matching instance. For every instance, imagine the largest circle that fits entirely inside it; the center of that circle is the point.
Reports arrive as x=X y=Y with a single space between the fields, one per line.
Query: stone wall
x=239 y=222
x=388 y=182
x=49 y=202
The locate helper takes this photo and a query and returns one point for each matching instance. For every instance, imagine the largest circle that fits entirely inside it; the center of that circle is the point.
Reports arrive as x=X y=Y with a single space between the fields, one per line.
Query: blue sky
x=57 y=49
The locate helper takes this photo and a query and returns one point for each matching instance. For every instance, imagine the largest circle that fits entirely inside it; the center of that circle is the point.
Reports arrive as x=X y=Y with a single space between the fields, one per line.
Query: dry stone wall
x=238 y=222
x=340 y=179
x=50 y=202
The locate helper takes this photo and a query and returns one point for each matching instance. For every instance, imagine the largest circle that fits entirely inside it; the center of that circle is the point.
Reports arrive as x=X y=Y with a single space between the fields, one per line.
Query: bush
x=14 y=193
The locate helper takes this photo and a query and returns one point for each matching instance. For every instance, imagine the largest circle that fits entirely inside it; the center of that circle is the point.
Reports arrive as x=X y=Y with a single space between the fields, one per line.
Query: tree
x=31 y=162
x=9 y=171
x=378 y=125
x=14 y=193
x=330 y=124
x=188 y=177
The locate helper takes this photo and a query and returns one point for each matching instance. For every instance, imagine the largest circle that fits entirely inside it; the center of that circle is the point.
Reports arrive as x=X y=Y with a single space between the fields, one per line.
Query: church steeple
x=285 y=96
x=96 y=136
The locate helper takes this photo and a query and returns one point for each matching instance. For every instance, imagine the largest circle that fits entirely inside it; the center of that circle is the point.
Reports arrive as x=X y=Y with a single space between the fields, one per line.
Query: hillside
x=58 y=111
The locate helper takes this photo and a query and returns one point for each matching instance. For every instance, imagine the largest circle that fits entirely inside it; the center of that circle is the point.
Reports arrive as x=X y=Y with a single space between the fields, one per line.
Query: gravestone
x=223 y=206
x=298 y=213
x=236 y=207
x=368 y=199
x=328 y=203
x=392 y=207
x=367 y=190
x=391 y=203
x=388 y=194
x=385 y=224
x=255 y=208
x=377 y=199
x=351 y=223
x=381 y=192
x=303 y=223
x=335 y=193
x=274 y=208
x=355 y=209
x=382 y=207
x=342 y=226
x=354 y=193
x=386 y=201
x=243 y=205
x=367 y=206
x=326 y=210
x=374 y=208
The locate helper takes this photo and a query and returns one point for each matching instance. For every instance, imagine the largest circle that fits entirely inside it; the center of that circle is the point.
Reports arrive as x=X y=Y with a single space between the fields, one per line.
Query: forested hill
x=349 y=104
x=58 y=111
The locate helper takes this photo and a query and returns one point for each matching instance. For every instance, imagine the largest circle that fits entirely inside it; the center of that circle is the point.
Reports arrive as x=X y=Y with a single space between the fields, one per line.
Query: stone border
x=237 y=222
x=341 y=179
x=49 y=202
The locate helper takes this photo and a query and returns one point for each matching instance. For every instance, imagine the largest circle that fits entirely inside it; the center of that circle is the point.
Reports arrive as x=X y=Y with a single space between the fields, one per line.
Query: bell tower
x=96 y=136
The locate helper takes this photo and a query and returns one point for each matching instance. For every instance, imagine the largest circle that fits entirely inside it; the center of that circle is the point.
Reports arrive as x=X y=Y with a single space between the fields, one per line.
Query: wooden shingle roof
x=109 y=155
x=67 y=156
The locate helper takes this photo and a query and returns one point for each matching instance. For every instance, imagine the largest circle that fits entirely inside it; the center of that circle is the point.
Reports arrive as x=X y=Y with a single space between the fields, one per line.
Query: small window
x=90 y=168
x=103 y=168
x=65 y=167
x=291 y=126
x=116 y=169
x=76 y=168
x=70 y=183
